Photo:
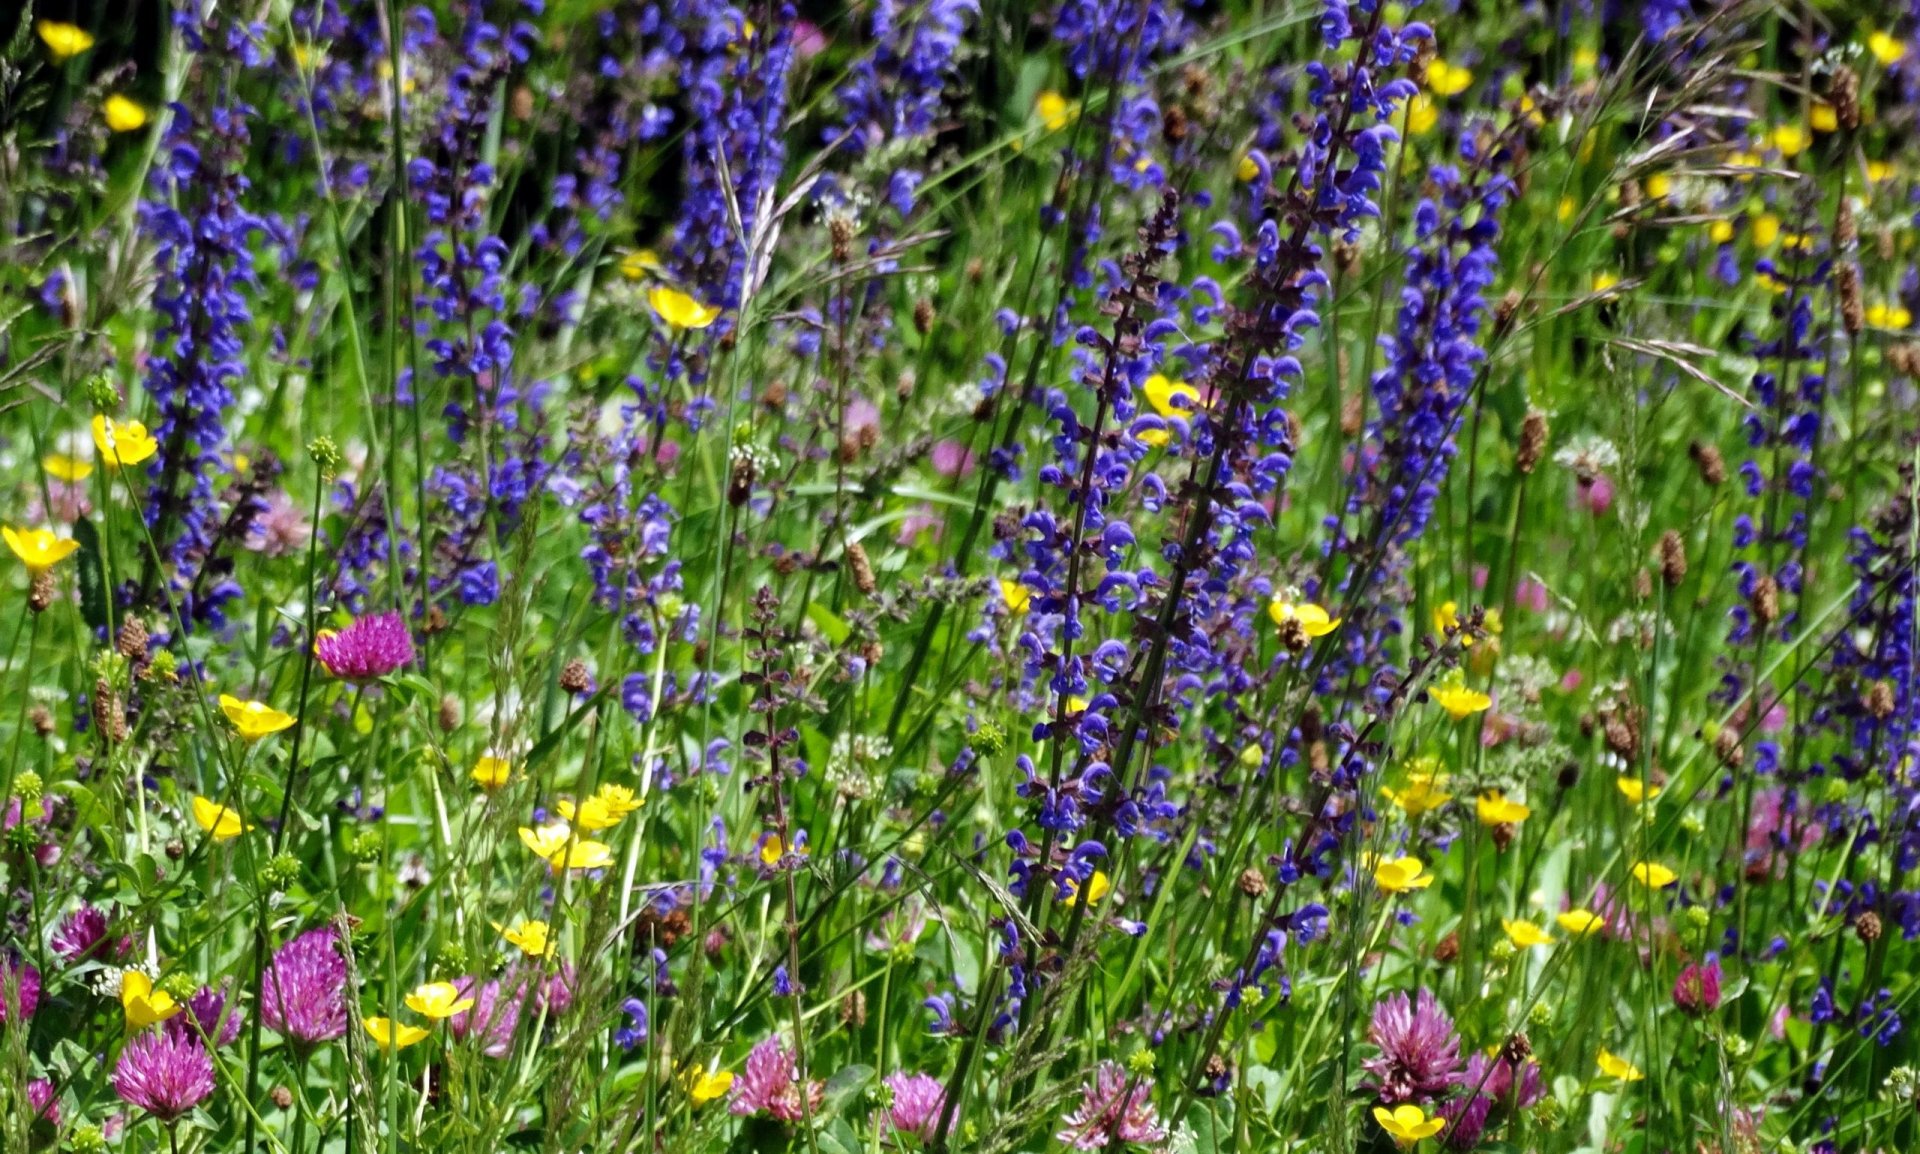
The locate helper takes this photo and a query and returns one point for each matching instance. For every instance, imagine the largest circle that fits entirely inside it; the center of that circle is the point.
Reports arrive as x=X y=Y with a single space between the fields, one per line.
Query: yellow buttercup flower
x=65 y=41
x=1152 y=438
x=1421 y=115
x=591 y=814
x=640 y=263
x=1098 y=886
x=680 y=310
x=492 y=772
x=1525 y=935
x=1581 y=922
x=61 y=467
x=390 y=1035
x=1055 y=111
x=1407 y=1125
x=1459 y=701
x=144 y=1005
x=1766 y=230
x=1891 y=317
x=437 y=1000
x=1878 y=171
x=1822 y=117
x=705 y=1086
x=1248 y=169
x=534 y=938
x=1653 y=875
x=1494 y=808
x=122 y=114
x=1658 y=186
x=1614 y=1066
x=1446 y=619
x=1886 y=49
x=1423 y=794
x=1720 y=231
x=252 y=719
x=223 y=822
x=1312 y=618
x=1634 y=790
x=556 y=843
x=1790 y=139
x=38 y=549
x=1445 y=79
x=1604 y=282
x=1402 y=874
x=122 y=442
x=1162 y=393
x=1015 y=596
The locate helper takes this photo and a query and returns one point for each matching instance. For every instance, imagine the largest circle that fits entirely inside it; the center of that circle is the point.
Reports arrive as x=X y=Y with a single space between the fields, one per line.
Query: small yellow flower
x=1525 y=935
x=1446 y=619
x=223 y=822
x=1604 y=282
x=704 y=1086
x=680 y=310
x=122 y=114
x=1402 y=874
x=1653 y=875
x=1421 y=115
x=773 y=849
x=1885 y=48
x=122 y=442
x=1766 y=230
x=1658 y=186
x=1312 y=618
x=591 y=815
x=390 y=1035
x=1445 y=79
x=1098 y=886
x=1790 y=139
x=1581 y=922
x=144 y=1005
x=1152 y=438
x=252 y=719
x=556 y=843
x=1459 y=701
x=492 y=772
x=38 y=549
x=1566 y=208
x=1878 y=171
x=533 y=938
x=1423 y=794
x=1891 y=317
x=1614 y=1066
x=1016 y=597
x=61 y=467
x=65 y=41
x=1055 y=111
x=1634 y=790
x=438 y=1000
x=1248 y=169
x=1493 y=808
x=639 y=264
x=1822 y=117
x=1720 y=231
x=1163 y=393
x=1407 y=1125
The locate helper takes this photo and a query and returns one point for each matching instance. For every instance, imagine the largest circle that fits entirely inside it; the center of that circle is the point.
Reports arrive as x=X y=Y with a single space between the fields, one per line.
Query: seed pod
x=1673 y=558
x=1252 y=882
x=1706 y=458
x=1726 y=747
x=1846 y=283
x=1448 y=949
x=1765 y=601
x=923 y=316
x=108 y=714
x=1879 y=701
x=131 y=641
x=862 y=568
x=41 y=592
x=1843 y=92
x=574 y=677
x=1533 y=442
x=1867 y=926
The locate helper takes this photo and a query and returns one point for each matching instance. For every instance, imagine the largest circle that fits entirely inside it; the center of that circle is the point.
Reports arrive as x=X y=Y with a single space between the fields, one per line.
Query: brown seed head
x=1765 y=600
x=862 y=568
x=1533 y=442
x=131 y=641
x=1706 y=458
x=1673 y=558
x=574 y=677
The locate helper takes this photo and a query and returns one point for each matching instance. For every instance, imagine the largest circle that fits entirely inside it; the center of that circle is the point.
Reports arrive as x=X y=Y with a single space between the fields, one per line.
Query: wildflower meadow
x=988 y=576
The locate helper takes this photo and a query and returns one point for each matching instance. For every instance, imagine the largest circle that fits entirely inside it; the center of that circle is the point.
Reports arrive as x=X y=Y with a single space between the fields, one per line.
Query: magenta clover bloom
x=304 y=994
x=768 y=1085
x=917 y=1103
x=1419 y=1052
x=370 y=648
x=1116 y=1109
x=164 y=1072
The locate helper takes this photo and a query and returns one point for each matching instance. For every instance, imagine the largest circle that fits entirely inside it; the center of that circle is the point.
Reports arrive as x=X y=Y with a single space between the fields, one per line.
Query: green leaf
x=846 y=1084
x=830 y=624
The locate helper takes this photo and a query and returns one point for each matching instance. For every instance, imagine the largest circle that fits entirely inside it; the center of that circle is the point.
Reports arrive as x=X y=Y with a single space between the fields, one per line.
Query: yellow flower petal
x=144 y=1005
x=680 y=310
x=122 y=114
x=254 y=720
x=122 y=442
x=61 y=467
x=437 y=1000
x=223 y=823
x=65 y=41
x=390 y=1035
x=38 y=549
